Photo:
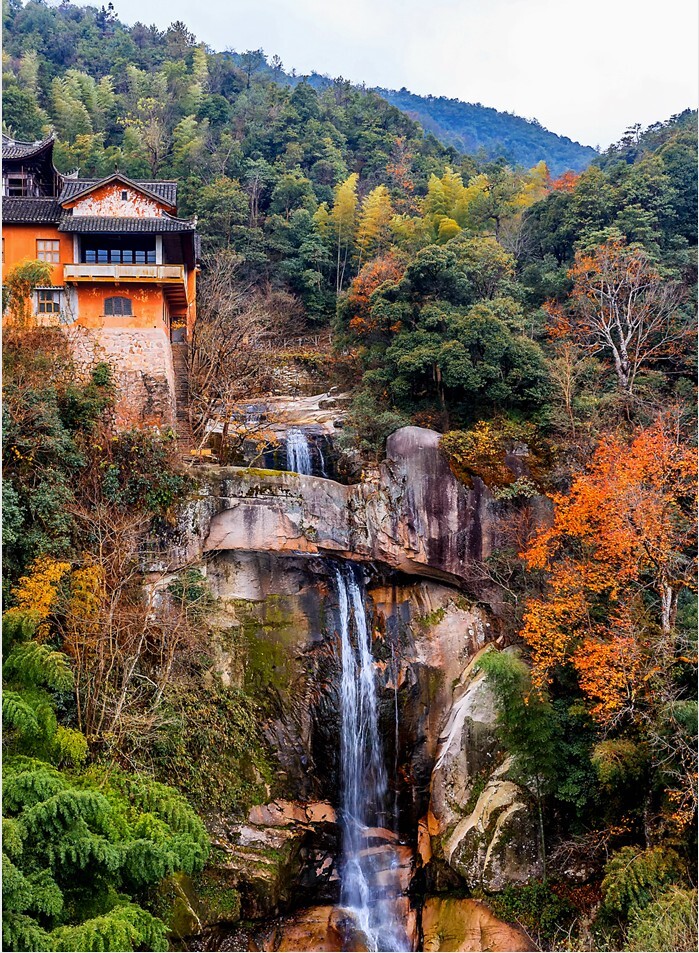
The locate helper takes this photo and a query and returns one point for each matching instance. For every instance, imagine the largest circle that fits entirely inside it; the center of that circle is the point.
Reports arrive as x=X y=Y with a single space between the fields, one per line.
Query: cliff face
x=268 y=542
x=414 y=516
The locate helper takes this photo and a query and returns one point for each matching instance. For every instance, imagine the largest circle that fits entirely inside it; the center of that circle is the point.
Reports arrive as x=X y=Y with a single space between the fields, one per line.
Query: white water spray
x=298 y=452
x=369 y=897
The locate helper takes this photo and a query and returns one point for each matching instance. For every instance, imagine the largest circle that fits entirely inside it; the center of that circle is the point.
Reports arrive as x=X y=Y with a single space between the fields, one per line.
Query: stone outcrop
x=467 y=747
x=468 y=926
x=266 y=541
x=415 y=517
x=496 y=845
x=283 y=850
x=480 y=823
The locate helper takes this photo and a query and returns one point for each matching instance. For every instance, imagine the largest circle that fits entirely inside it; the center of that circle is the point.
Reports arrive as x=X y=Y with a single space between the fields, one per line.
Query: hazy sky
x=583 y=69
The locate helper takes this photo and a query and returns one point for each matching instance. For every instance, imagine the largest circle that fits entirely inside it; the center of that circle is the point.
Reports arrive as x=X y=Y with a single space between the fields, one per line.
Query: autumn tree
x=19 y=286
x=620 y=305
x=373 y=226
x=341 y=221
x=363 y=320
x=618 y=554
x=230 y=358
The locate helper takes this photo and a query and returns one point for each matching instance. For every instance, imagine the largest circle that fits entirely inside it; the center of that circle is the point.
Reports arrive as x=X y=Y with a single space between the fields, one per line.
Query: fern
x=124 y=928
x=21 y=932
x=27 y=781
x=52 y=817
x=12 y=834
x=69 y=745
x=19 y=714
x=19 y=626
x=33 y=663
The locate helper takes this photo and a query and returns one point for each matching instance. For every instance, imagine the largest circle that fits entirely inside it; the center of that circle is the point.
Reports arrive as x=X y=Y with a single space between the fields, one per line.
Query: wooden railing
x=98 y=272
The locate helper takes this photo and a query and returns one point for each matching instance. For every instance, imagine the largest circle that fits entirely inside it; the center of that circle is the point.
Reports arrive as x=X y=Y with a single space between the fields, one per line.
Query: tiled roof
x=37 y=210
x=100 y=223
x=164 y=190
x=16 y=149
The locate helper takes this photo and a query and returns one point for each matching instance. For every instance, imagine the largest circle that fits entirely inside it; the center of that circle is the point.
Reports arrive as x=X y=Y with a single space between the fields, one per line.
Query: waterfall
x=321 y=458
x=369 y=897
x=298 y=453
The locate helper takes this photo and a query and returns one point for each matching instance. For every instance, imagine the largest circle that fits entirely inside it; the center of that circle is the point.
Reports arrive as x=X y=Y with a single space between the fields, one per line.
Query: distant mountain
x=471 y=127
x=467 y=127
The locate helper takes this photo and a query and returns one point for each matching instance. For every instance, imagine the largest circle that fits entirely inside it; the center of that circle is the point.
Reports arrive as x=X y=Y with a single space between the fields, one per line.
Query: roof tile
x=103 y=224
x=37 y=210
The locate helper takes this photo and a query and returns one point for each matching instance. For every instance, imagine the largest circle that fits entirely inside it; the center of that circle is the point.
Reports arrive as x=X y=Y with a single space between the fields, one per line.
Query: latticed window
x=48 y=250
x=48 y=302
x=117 y=306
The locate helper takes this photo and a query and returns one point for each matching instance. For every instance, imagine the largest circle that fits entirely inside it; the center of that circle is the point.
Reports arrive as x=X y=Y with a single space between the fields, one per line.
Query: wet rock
x=316 y=928
x=468 y=926
x=285 y=849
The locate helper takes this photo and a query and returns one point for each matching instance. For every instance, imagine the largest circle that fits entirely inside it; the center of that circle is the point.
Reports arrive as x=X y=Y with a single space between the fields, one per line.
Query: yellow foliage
x=37 y=591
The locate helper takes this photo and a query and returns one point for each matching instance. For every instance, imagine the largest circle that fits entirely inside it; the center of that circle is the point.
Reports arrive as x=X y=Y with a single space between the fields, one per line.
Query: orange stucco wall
x=147 y=306
x=20 y=245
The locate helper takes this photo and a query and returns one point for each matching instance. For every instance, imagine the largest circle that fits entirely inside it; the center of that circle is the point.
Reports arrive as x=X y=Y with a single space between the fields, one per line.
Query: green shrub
x=668 y=923
x=633 y=878
x=537 y=908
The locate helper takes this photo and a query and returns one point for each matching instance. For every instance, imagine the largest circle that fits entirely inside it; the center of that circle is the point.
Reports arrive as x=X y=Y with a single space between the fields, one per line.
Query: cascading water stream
x=298 y=452
x=365 y=893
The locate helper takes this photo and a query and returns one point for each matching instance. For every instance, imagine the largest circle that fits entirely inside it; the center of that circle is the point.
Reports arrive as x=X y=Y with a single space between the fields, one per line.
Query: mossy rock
x=218 y=897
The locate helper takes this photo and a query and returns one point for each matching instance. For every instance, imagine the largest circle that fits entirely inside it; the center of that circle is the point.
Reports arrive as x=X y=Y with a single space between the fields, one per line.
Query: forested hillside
x=544 y=325
x=474 y=128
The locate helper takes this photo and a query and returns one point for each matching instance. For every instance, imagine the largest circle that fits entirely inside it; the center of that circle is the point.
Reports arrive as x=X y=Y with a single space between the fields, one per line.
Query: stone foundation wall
x=142 y=363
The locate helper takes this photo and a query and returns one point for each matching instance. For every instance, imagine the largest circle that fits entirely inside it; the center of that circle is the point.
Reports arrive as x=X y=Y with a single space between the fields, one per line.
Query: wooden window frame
x=48 y=247
x=109 y=310
x=45 y=297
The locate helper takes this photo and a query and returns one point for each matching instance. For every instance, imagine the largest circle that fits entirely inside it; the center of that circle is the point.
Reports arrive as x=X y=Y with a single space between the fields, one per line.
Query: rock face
x=497 y=844
x=283 y=850
x=467 y=746
x=268 y=542
x=481 y=824
x=416 y=517
x=468 y=926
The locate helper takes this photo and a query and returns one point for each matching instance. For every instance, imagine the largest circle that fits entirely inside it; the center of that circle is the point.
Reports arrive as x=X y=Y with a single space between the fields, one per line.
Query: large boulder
x=481 y=824
x=467 y=746
x=497 y=843
x=468 y=926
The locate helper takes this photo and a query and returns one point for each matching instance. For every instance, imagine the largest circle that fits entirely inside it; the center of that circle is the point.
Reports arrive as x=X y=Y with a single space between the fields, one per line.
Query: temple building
x=123 y=270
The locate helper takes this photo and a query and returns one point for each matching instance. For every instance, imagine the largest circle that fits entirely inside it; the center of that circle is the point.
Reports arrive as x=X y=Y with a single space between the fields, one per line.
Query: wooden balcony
x=161 y=274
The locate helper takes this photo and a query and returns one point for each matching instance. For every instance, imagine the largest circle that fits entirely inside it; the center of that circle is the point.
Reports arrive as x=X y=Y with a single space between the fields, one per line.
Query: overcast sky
x=583 y=69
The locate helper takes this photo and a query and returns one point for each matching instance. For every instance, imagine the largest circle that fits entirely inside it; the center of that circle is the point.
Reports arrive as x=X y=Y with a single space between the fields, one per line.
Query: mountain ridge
x=470 y=128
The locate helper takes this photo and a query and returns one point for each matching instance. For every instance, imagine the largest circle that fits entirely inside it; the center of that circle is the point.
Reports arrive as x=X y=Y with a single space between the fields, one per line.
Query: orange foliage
x=610 y=674
x=626 y=527
x=566 y=182
x=37 y=592
x=371 y=277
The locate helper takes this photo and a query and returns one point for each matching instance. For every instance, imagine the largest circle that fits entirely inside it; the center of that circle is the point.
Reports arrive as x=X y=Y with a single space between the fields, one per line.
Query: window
x=48 y=302
x=119 y=251
x=117 y=306
x=124 y=196
x=48 y=250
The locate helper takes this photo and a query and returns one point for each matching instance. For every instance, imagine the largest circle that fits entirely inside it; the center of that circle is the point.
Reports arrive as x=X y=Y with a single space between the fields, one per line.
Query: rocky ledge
x=412 y=515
